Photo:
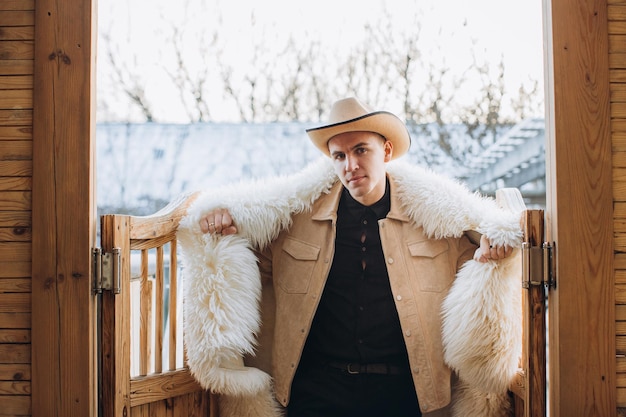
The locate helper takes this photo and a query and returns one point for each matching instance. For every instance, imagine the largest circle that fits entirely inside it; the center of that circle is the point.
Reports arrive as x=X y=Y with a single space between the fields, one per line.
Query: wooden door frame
x=579 y=212
x=582 y=375
x=63 y=371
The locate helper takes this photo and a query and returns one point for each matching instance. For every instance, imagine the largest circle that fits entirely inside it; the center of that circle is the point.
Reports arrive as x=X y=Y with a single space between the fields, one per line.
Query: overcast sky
x=511 y=29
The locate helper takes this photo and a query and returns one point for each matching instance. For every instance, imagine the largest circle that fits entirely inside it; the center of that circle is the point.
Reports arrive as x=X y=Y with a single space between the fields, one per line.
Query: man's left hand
x=487 y=251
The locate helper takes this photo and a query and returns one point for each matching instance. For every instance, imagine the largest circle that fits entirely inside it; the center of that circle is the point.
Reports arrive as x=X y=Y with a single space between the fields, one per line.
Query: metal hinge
x=538 y=266
x=106 y=270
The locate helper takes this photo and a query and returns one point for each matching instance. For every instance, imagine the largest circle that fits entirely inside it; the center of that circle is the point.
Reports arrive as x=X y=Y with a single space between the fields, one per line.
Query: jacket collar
x=325 y=208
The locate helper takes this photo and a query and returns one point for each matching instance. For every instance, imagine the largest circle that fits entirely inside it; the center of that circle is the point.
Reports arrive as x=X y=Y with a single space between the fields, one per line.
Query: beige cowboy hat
x=350 y=115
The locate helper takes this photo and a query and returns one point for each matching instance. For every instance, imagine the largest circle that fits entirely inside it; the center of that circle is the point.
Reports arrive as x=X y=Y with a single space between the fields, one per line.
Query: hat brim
x=384 y=123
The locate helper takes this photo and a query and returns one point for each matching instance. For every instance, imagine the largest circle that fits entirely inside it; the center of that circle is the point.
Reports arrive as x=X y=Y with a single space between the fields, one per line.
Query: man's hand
x=487 y=251
x=219 y=222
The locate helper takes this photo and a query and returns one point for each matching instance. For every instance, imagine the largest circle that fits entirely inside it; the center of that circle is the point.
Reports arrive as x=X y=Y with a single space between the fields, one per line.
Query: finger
x=230 y=230
x=205 y=223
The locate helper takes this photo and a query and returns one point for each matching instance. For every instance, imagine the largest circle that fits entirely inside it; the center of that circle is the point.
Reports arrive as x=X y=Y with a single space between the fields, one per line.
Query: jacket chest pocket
x=295 y=265
x=431 y=264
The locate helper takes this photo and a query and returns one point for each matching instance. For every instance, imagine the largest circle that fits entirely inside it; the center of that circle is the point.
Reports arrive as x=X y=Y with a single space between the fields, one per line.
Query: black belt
x=369 y=368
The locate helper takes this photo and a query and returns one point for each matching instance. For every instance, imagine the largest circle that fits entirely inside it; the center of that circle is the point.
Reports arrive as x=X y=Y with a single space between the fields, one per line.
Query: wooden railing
x=142 y=346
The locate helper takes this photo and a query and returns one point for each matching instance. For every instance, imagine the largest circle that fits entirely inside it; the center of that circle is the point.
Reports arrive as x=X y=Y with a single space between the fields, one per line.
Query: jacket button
x=416 y=370
x=407 y=333
x=399 y=297
x=424 y=407
x=390 y=260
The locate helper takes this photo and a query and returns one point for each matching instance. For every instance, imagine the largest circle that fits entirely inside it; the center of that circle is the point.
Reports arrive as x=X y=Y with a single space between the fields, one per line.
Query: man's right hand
x=219 y=222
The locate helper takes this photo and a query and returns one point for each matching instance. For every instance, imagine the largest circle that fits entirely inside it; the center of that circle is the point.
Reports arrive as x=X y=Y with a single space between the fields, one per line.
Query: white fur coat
x=481 y=313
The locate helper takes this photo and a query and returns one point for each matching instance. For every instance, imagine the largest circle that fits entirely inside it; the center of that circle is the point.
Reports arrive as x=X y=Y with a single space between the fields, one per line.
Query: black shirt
x=356 y=321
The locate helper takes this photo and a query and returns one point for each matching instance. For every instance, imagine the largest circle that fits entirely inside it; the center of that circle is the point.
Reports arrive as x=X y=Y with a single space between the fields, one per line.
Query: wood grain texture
x=580 y=208
x=63 y=205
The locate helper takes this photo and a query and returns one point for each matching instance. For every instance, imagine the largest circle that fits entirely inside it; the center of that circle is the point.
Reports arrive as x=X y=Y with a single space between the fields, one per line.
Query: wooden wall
x=617 y=68
x=16 y=114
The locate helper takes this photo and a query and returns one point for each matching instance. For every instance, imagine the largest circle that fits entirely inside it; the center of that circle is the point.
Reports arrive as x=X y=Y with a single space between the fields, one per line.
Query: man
x=359 y=273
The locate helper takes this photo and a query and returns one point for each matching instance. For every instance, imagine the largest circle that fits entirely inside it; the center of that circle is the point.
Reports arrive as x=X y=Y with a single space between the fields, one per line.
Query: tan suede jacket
x=421 y=271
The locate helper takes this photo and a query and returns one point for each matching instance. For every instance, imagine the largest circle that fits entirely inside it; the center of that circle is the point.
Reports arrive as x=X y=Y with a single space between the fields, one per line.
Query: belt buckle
x=350 y=371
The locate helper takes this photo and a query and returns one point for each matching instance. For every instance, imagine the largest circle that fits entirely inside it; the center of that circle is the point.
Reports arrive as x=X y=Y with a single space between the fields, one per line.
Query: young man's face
x=359 y=159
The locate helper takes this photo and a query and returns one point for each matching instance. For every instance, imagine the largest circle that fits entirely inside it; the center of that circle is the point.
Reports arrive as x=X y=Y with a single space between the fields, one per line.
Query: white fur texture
x=482 y=327
x=468 y=401
x=223 y=285
x=222 y=289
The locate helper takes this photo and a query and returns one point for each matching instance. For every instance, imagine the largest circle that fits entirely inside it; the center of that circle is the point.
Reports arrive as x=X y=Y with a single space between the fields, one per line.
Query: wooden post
x=535 y=319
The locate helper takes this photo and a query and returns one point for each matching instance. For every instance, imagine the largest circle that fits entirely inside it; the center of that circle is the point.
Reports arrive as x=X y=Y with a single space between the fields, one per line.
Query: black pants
x=329 y=392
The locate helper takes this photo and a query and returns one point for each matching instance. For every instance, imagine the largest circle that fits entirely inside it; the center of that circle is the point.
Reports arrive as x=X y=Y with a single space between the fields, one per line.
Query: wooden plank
x=620 y=293
x=15 y=200
x=158 y=312
x=22 y=83
x=14 y=388
x=15 y=285
x=618 y=110
x=621 y=397
x=617 y=27
x=17 y=17
x=15 y=252
x=616 y=12
x=17 y=33
x=9 y=133
x=618 y=92
x=15 y=99
x=17 y=5
x=14 y=336
x=14 y=372
x=16 y=184
x=14 y=353
x=16 y=150
x=162 y=386
x=15 y=320
x=16 y=406
x=173 y=304
x=116 y=317
x=620 y=242
x=618 y=125
x=620 y=261
x=16 y=67
x=620 y=209
x=20 y=118
x=16 y=168
x=15 y=302
x=620 y=330
x=15 y=269
x=63 y=333
x=145 y=318
x=17 y=234
x=16 y=50
x=617 y=61
x=619 y=141
x=162 y=223
x=535 y=325
x=580 y=207
x=617 y=44
x=620 y=344
x=15 y=219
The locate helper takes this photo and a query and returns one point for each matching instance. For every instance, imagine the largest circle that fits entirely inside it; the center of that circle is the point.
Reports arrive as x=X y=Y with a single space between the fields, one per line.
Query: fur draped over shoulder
x=481 y=313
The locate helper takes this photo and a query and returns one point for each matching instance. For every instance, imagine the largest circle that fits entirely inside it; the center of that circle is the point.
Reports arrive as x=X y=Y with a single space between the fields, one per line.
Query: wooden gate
x=142 y=368
x=529 y=387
